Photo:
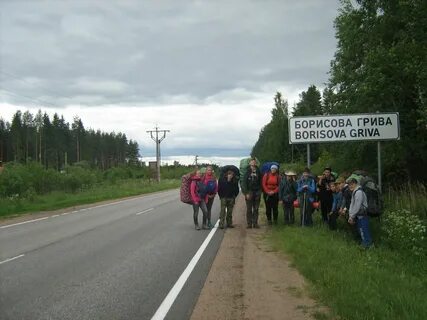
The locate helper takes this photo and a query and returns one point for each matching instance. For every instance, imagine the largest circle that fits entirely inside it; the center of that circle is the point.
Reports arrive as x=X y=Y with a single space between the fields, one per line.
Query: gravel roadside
x=249 y=280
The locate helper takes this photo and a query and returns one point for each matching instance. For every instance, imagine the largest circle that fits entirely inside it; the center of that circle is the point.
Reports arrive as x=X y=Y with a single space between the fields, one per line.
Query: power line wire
x=38 y=101
x=32 y=84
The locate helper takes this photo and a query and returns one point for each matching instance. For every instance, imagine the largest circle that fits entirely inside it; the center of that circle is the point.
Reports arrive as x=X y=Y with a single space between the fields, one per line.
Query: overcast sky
x=206 y=70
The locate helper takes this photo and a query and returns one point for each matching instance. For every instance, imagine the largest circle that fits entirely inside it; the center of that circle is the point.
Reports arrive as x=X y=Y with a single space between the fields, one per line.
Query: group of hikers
x=333 y=196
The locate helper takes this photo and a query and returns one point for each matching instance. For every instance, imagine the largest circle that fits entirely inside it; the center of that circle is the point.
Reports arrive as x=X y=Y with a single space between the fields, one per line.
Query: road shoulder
x=249 y=280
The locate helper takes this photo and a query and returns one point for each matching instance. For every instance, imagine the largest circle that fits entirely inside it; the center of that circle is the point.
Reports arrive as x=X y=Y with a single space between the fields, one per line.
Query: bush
x=404 y=231
x=77 y=177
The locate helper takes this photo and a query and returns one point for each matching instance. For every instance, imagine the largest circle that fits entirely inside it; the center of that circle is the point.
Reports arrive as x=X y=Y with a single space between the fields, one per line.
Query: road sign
x=335 y=128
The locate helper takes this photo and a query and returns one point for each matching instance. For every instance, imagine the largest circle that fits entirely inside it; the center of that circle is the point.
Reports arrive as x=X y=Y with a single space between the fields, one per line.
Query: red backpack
x=184 y=191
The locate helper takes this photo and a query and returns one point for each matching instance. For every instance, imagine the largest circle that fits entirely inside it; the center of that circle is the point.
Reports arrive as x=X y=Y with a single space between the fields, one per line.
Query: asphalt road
x=115 y=261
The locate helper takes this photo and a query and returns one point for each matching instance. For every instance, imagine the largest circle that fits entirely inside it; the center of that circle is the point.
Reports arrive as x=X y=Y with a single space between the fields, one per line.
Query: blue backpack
x=266 y=166
x=202 y=189
x=211 y=187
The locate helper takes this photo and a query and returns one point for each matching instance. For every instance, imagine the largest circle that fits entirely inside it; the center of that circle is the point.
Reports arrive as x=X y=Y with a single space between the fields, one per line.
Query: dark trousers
x=326 y=200
x=288 y=210
x=252 y=206
x=271 y=206
x=306 y=210
x=202 y=206
x=209 y=209
x=333 y=216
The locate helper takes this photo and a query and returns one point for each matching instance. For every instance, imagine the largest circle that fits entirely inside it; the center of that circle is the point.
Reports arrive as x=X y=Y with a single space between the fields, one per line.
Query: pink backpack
x=185 y=192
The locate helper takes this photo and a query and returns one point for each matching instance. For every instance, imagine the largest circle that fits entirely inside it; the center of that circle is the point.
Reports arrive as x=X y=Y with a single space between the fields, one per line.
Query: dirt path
x=248 y=280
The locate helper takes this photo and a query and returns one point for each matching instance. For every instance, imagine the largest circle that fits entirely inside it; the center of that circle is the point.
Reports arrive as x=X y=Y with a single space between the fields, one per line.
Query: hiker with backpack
x=325 y=193
x=270 y=187
x=209 y=180
x=228 y=189
x=198 y=196
x=358 y=212
x=251 y=188
x=336 y=203
x=306 y=192
x=287 y=195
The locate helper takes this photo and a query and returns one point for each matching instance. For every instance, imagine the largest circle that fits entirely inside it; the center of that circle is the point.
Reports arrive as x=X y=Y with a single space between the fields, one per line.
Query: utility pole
x=157 y=140
x=195 y=160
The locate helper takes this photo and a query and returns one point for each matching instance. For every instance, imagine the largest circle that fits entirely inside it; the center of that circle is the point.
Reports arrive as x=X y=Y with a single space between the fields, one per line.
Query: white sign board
x=333 y=128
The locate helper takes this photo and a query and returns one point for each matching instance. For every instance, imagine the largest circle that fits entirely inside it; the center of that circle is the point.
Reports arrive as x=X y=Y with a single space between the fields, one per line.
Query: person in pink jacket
x=210 y=181
x=198 y=196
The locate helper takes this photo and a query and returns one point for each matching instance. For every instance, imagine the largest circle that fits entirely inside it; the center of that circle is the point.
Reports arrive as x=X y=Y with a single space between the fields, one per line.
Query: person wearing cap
x=357 y=212
x=251 y=188
x=287 y=196
x=325 y=193
x=306 y=191
x=270 y=186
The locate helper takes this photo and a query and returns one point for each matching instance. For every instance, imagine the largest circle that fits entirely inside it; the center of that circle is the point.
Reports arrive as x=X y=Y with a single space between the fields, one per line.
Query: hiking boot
x=209 y=225
x=205 y=227
x=221 y=226
x=197 y=227
x=249 y=226
x=230 y=226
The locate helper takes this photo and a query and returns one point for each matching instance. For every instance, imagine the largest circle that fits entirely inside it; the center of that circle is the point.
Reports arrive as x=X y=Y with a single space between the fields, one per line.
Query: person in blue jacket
x=306 y=191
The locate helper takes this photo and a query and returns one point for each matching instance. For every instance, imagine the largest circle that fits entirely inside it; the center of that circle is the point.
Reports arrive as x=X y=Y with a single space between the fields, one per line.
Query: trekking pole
x=303 y=209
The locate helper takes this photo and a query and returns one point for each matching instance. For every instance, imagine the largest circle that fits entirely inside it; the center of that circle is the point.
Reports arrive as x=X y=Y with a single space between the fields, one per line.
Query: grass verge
x=58 y=200
x=378 y=283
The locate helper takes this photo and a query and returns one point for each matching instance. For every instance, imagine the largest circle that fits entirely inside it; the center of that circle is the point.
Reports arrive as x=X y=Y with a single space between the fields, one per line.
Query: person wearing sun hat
x=287 y=195
x=270 y=186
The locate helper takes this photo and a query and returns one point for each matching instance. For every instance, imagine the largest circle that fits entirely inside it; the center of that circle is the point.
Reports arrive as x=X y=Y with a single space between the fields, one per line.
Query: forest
x=380 y=65
x=55 y=143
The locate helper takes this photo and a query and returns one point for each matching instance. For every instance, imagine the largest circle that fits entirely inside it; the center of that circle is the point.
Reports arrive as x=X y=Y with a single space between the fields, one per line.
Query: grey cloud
x=136 y=52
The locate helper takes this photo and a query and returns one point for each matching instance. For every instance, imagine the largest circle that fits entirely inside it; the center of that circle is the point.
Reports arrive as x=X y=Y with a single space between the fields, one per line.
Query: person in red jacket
x=198 y=196
x=270 y=187
x=209 y=180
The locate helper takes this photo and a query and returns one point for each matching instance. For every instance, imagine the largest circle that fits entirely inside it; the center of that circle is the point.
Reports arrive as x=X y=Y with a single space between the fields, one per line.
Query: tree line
x=55 y=143
x=380 y=65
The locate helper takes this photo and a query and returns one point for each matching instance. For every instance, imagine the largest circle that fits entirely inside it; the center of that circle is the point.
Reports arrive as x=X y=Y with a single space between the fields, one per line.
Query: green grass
x=57 y=200
x=355 y=284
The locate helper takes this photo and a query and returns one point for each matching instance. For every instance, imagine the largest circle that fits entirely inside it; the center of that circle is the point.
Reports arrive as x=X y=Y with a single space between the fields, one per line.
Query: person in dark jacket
x=287 y=195
x=252 y=188
x=228 y=189
x=325 y=193
x=306 y=192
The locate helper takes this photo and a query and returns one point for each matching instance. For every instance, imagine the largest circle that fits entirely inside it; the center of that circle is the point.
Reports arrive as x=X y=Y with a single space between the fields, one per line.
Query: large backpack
x=267 y=165
x=373 y=195
x=244 y=165
x=210 y=186
x=223 y=170
x=184 y=191
x=202 y=189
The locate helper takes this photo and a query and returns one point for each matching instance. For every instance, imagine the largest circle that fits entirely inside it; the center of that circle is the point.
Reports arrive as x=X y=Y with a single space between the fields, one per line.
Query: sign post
x=340 y=128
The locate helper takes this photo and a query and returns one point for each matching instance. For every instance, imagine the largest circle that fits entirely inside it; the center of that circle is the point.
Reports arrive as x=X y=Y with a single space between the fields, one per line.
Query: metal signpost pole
x=379 y=165
x=308 y=155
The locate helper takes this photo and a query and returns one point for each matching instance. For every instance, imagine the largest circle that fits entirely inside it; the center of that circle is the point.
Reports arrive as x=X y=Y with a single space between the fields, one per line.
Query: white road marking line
x=55 y=215
x=75 y=211
x=14 y=258
x=145 y=211
x=19 y=223
x=176 y=289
